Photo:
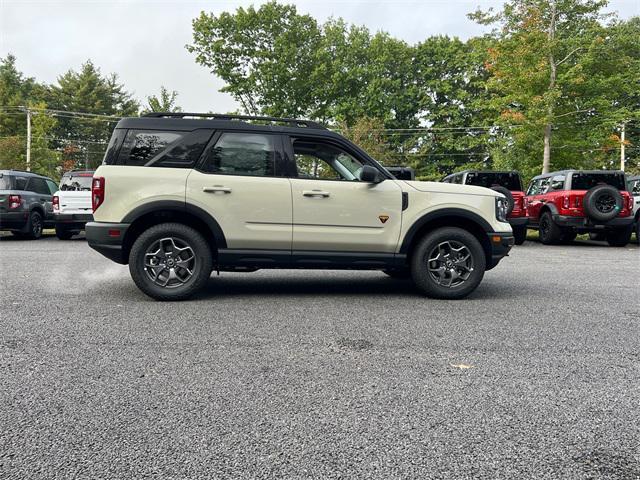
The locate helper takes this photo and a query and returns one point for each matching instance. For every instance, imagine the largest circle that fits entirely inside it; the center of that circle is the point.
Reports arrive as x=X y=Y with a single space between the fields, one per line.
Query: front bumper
x=107 y=239
x=518 y=221
x=501 y=244
x=586 y=225
x=72 y=219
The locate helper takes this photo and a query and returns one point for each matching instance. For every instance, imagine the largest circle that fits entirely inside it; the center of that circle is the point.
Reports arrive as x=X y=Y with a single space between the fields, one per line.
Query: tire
x=597 y=236
x=398 y=273
x=176 y=241
x=619 y=237
x=431 y=260
x=549 y=232
x=602 y=203
x=507 y=193
x=34 y=226
x=520 y=235
x=63 y=233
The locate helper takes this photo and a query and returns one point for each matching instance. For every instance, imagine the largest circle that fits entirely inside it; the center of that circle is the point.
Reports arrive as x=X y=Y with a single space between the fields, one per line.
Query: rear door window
x=38 y=185
x=248 y=154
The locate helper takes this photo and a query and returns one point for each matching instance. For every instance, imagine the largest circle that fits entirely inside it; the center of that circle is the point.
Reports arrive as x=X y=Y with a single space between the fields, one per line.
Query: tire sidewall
x=186 y=234
x=590 y=206
x=419 y=263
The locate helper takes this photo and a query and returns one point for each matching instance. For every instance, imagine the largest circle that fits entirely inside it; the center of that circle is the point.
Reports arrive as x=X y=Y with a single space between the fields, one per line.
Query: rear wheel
x=520 y=235
x=619 y=237
x=448 y=263
x=34 y=226
x=550 y=232
x=170 y=261
x=63 y=233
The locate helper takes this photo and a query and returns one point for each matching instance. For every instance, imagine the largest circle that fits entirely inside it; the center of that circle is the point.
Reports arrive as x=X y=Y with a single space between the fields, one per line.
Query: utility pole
x=28 y=139
x=622 y=148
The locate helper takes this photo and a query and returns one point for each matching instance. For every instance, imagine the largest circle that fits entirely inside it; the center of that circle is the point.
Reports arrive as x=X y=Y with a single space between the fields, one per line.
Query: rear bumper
x=103 y=239
x=518 y=221
x=72 y=219
x=587 y=225
x=501 y=244
x=13 y=220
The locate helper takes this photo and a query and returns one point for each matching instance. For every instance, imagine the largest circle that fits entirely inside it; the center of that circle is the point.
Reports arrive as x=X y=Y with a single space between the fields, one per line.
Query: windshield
x=76 y=183
x=5 y=182
x=508 y=180
x=585 y=181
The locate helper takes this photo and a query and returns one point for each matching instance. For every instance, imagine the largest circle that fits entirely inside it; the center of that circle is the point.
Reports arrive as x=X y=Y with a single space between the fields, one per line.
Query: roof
x=566 y=172
x=192 y=121
x=22 y=173
x=484 y=171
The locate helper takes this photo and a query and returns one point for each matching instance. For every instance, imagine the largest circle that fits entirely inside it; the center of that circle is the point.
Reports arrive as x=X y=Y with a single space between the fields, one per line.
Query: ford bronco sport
x=509 y=184
x=72 y=203
x=25 y=203
x=563 y=204
x=180 y=195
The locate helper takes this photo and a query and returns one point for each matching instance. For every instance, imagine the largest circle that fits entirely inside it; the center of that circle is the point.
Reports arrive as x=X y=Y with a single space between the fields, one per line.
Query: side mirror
x=369 y=174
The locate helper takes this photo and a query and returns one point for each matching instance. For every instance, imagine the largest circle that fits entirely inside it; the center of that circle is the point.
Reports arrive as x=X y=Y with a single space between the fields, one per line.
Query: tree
x=538 y=63
x=89 y=92
x=166 y=102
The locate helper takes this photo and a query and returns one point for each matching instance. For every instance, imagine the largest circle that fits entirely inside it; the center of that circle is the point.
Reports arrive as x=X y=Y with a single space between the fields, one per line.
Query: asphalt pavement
x=313 y=374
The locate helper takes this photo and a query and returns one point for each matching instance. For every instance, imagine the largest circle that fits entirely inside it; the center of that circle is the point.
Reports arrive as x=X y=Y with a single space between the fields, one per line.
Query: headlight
x=502 y=206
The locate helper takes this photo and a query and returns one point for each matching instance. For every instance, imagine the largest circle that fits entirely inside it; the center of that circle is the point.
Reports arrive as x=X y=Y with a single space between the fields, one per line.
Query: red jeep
x=507 y=183
x=563 y=204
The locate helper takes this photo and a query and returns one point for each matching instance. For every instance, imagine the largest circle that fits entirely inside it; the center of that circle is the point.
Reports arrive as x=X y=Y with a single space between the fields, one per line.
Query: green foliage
x=166 y=102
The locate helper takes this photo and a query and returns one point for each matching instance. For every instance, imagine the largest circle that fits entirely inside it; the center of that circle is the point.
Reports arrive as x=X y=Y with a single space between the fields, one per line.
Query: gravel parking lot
x=320 y=374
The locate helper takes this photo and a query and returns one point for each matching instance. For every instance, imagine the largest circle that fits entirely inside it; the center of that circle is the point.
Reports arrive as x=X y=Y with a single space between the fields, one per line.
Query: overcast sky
x=143 y=40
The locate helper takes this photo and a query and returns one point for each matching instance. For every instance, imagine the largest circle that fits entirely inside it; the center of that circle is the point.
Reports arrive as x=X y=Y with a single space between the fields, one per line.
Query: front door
x=239 y=183
x=332 y=209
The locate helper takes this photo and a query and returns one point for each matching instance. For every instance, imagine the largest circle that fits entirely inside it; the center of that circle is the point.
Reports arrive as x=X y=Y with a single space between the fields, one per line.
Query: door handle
x=216 y=189
x=315 y=193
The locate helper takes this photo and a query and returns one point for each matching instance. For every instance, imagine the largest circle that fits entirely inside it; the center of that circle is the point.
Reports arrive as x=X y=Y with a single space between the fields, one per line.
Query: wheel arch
x=449 y=217
x=154 y=213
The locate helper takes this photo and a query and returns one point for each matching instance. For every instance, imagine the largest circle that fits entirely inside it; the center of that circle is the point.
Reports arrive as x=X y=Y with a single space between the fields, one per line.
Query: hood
x=452 y=188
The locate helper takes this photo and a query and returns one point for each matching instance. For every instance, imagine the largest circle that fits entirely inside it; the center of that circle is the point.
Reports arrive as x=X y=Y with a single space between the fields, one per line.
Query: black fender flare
x=179 y=207
x=440 y=214
x=551 y=207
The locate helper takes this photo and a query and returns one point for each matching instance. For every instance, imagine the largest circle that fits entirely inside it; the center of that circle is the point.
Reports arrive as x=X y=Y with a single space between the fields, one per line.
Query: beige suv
x=181 y=195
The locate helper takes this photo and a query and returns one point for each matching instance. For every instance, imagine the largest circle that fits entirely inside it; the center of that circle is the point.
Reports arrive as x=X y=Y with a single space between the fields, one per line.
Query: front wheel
x=170 y=261
x=448 y=263
x=519 y=235
x=619 y=237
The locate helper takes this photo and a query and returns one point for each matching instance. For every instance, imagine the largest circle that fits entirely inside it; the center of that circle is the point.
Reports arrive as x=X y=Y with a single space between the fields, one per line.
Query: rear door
x=332 y=209
x=41 y=194
x=240 y=182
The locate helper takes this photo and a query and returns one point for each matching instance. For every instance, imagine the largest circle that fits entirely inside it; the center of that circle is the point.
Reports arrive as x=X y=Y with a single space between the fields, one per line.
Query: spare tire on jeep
x=507 y=193
x=602 y=203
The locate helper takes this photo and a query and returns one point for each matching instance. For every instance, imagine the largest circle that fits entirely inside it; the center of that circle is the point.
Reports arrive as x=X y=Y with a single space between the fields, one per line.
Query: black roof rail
x=292 y=121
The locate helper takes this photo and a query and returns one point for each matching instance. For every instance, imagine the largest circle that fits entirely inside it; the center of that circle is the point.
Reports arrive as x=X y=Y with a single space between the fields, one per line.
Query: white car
x=178 y=196
x=72 y=203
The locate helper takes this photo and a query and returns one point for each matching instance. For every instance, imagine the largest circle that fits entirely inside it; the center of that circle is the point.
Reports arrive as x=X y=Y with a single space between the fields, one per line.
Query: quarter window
x=246 y=154
x=140 y=146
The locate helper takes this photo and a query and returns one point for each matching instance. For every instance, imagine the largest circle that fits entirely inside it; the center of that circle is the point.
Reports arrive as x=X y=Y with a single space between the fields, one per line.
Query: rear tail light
x=565 y=201
x=97 y=192
x=56 y=203
x=630 y=203
x=14 y=201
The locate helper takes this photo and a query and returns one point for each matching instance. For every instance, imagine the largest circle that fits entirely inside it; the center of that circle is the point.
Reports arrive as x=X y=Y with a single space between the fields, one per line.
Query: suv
x=563 y=204
x=633 y=185
x=72 y=203
x=509 y=184
x=181 y=194
x=25 y=203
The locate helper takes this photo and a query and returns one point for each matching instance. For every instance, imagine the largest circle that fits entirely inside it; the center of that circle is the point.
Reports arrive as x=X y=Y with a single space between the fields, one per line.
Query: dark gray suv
x=26 y=203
